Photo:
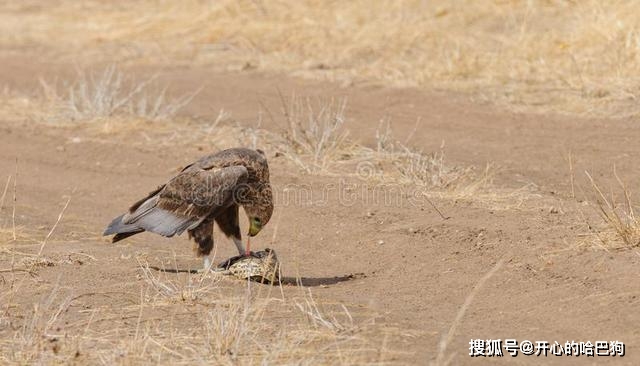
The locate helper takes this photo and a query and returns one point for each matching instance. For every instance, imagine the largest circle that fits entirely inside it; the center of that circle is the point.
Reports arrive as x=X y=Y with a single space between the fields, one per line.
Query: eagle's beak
x=254 y=229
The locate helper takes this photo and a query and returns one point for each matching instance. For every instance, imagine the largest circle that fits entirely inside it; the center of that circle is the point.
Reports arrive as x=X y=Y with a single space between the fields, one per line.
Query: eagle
x=208 y=190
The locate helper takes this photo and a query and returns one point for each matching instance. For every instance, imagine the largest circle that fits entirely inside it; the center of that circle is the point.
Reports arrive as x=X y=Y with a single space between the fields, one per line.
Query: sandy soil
x=400 y=264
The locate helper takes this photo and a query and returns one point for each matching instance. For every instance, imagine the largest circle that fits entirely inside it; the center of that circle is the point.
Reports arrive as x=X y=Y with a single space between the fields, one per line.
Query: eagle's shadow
x=319 y=281
x=285 y=280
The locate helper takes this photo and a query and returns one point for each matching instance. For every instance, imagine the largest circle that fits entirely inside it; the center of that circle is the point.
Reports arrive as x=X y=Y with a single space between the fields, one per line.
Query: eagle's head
x=259 y=209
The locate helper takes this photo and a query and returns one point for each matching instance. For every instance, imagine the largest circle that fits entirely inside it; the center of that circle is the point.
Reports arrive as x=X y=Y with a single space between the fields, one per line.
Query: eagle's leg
x=207 y=263
x=204 y=249
x=203 y=236
x=230 y=226
x=238 y=242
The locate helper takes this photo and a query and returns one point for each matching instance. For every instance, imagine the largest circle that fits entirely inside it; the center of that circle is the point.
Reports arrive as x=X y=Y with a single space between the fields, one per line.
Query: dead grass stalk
x=315 y=137
x=574 y=57
x=620 y=220
x=53 y=228
x=110 y=93
x=441 y=358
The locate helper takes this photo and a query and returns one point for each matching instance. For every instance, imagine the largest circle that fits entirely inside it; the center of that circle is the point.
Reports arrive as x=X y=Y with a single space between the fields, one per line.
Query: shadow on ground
x=287 y=281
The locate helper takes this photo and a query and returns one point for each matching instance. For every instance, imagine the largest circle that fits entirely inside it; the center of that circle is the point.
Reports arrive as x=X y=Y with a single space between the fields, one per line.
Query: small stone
x=380 y=242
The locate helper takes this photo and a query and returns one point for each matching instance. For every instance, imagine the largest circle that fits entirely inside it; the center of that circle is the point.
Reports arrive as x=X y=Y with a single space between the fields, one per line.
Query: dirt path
x=402 y=262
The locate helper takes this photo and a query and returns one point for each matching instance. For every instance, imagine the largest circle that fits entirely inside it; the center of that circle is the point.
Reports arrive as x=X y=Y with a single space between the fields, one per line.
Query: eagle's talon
x=221 y=182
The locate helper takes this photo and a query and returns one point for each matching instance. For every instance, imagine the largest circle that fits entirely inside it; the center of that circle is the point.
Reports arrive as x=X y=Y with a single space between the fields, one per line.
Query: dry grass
x=412 y=166
x=217 y=325
x=108 y=94
x=106 y=101
x=442 y=358
x=32 y=336
x=565 y=56
x=12 y=236
x=315 y=137
x=621 y=227
x=110 y=104
x=177 y=318
x=396 y=162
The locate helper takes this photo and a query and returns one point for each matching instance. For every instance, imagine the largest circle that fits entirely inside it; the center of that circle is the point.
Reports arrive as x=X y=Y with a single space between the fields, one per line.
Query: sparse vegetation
x=315 y=137
x=231 y=325
x=226 y=327
x=572 y=57
x=425 y=170
x=111 y=94
x=622 y=228
x=61 y=305
x=316 y=133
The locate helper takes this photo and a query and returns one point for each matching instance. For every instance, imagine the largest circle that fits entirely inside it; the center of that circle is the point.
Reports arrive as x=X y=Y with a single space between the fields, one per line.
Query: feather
x=166 y=223
x=121 y=236
x=203 y=191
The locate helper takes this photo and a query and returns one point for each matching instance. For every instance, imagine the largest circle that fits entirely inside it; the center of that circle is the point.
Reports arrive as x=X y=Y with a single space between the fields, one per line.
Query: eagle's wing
x=183 y=203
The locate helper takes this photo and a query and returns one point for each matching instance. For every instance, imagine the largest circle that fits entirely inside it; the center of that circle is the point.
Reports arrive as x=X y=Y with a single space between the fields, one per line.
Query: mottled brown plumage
x=209 y=190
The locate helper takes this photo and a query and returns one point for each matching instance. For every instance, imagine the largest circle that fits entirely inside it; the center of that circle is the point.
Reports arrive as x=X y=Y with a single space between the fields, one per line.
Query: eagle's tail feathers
x=165 y=223
x=121 y=229
x=120 y=236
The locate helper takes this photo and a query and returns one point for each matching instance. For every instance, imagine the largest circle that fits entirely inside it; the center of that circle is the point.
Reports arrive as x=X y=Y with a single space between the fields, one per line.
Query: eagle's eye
x=257 y=221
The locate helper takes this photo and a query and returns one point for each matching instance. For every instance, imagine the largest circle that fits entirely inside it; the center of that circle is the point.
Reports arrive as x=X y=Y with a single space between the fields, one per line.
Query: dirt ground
x=523 y=265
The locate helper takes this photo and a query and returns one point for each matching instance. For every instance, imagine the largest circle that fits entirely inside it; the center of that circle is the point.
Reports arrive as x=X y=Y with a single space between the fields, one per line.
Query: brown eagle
x=209 y=190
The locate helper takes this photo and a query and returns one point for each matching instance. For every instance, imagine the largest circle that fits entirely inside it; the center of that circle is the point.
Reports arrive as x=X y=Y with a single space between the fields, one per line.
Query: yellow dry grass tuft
x=622 y=228
x=108 y=94
x=576 y=57
x=221 y=325
x=315 y=137
x=416 y=167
